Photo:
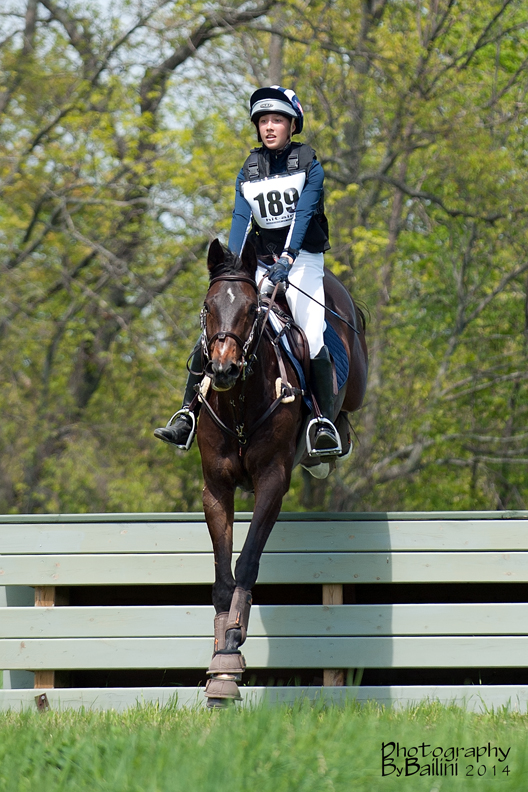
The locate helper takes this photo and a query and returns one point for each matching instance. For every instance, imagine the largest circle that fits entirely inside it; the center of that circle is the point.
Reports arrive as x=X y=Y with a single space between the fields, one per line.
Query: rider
x=279 y=209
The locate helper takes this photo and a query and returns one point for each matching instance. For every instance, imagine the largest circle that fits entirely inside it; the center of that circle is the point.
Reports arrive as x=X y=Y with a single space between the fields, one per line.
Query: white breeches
x=307 y=273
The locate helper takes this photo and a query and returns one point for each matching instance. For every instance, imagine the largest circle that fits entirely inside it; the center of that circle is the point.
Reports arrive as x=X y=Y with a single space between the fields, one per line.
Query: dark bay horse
x=248 y=435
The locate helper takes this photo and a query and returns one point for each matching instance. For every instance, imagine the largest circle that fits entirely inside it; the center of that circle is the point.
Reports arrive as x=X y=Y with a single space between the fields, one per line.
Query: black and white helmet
x=276 y=100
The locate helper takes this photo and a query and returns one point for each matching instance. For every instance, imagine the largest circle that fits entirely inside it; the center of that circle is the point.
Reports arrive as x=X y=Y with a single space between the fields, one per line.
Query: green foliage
x=416 y=117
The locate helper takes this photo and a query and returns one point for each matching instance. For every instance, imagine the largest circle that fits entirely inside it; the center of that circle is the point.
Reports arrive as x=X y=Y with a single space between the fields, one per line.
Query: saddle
x=295 y=343
x=291 y=338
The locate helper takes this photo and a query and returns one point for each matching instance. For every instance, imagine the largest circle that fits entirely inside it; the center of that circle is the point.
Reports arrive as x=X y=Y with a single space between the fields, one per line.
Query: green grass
x=304 y=748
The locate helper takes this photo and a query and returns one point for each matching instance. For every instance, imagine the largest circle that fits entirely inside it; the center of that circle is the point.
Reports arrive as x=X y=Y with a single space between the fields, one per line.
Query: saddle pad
x=338 y=352
x=335 y=347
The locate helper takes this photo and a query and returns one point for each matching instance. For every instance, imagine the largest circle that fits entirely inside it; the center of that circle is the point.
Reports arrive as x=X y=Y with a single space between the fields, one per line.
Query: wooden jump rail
x=52 y=553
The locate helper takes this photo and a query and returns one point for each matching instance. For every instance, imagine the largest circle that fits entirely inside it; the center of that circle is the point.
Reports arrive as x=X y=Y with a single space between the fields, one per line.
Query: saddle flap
x=282 y=322
x=294 y=337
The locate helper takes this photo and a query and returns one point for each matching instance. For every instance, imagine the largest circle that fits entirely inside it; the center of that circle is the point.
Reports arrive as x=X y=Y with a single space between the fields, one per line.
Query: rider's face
x=275 y=130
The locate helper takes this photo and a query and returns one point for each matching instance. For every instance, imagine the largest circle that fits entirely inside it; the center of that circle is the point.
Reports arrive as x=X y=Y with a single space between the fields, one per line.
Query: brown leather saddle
x=283 y=327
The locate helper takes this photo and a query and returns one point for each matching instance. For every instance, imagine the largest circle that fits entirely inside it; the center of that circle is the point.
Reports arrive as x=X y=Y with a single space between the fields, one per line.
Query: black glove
x=279 y=270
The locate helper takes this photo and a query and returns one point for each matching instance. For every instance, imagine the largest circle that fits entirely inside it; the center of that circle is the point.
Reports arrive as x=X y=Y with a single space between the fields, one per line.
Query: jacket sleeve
x=241 y=222
x=306 y=208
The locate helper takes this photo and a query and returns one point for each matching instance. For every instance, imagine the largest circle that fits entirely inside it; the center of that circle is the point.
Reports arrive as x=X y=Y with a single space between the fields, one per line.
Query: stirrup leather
x=191 y=415
x=314 y=452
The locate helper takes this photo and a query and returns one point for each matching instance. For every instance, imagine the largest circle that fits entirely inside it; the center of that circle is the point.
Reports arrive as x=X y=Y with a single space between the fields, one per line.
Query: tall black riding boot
x=181 y=432
x=326 y=440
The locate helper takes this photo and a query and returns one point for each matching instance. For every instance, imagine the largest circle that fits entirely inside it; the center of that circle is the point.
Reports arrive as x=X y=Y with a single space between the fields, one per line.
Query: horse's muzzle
x=223 y=375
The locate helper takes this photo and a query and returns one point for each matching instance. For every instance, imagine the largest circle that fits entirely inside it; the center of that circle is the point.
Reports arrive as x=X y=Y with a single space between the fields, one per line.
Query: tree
x=101 y=212
x=120 y=137
x=418 y=119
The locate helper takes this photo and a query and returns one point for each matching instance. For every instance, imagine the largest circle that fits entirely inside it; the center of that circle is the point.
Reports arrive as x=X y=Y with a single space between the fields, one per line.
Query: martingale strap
x=240 y=434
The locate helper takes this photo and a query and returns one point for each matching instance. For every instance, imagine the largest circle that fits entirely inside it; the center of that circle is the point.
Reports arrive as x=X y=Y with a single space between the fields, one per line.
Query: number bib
x=273 y=200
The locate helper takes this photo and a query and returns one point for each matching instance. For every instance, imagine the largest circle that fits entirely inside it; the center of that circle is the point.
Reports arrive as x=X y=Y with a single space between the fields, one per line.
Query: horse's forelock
x=231 y=265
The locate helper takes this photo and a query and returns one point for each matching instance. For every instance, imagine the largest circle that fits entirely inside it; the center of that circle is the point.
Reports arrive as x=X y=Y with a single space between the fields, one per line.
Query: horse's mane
x=231 y=265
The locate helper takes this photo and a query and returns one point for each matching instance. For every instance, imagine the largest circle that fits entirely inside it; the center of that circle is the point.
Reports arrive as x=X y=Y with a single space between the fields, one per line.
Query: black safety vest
x=271 y=241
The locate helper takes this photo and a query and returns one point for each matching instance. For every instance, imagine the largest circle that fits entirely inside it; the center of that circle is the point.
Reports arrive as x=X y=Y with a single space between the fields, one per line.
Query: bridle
x=221 y=335
x=288 y=392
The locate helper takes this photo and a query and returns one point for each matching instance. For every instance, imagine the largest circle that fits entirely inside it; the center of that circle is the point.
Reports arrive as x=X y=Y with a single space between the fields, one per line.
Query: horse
x=248 y=433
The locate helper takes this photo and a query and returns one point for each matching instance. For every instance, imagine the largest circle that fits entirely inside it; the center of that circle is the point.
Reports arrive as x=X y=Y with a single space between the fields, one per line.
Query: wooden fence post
x=44 y=598
x=49 y=597
x=333 y=595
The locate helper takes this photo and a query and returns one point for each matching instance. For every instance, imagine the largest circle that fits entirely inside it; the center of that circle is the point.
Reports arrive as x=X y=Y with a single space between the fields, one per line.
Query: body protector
x=273 y=201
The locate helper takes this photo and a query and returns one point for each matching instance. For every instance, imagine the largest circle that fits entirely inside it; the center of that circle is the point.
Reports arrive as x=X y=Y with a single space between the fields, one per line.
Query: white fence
x=53 y=554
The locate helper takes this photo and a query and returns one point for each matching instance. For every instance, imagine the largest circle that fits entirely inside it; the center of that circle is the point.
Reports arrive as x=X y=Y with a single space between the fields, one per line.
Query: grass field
x=304 y=748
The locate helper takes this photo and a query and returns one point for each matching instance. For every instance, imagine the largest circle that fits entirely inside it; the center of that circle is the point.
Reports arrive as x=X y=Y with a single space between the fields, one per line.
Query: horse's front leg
x=218 y=501
x=270 y=487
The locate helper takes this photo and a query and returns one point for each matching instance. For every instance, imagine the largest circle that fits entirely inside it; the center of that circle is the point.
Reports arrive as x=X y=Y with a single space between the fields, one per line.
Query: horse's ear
x=216 y=255
x=249 y=259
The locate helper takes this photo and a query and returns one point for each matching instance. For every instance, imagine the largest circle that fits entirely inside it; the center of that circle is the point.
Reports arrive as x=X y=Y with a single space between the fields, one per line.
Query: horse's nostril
x=220 y=371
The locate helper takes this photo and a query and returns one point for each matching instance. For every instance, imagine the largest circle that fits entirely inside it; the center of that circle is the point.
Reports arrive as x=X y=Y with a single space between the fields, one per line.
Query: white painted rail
x=55 y=552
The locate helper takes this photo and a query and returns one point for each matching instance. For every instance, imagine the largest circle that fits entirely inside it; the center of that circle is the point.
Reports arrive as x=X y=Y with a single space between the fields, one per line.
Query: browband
x=243 y=278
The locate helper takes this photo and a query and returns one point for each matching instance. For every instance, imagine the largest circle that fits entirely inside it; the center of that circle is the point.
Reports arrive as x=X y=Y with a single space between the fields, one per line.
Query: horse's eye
x=253 y=309
x=206 y=308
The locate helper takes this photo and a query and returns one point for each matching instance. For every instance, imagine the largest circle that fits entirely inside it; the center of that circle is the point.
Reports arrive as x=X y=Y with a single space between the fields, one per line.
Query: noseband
x=223 y=334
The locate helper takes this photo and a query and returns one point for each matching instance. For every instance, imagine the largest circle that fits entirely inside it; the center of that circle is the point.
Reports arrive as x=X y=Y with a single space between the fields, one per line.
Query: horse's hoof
x=218 y=703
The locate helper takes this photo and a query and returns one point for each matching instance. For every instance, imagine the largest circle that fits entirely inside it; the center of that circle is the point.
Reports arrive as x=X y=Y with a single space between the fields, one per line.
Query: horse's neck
x=258 y=385
x=260 y=379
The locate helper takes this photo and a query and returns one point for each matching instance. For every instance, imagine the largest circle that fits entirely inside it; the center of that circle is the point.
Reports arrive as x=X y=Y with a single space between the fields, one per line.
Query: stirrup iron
x=191 y=415
x=314 y=452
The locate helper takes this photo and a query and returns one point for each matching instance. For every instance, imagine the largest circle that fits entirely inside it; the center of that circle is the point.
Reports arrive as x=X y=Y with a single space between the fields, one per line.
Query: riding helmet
x=276 y=100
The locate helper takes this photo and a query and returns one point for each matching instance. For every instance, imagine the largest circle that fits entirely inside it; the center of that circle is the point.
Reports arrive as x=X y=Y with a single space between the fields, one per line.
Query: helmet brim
x=264 y=106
